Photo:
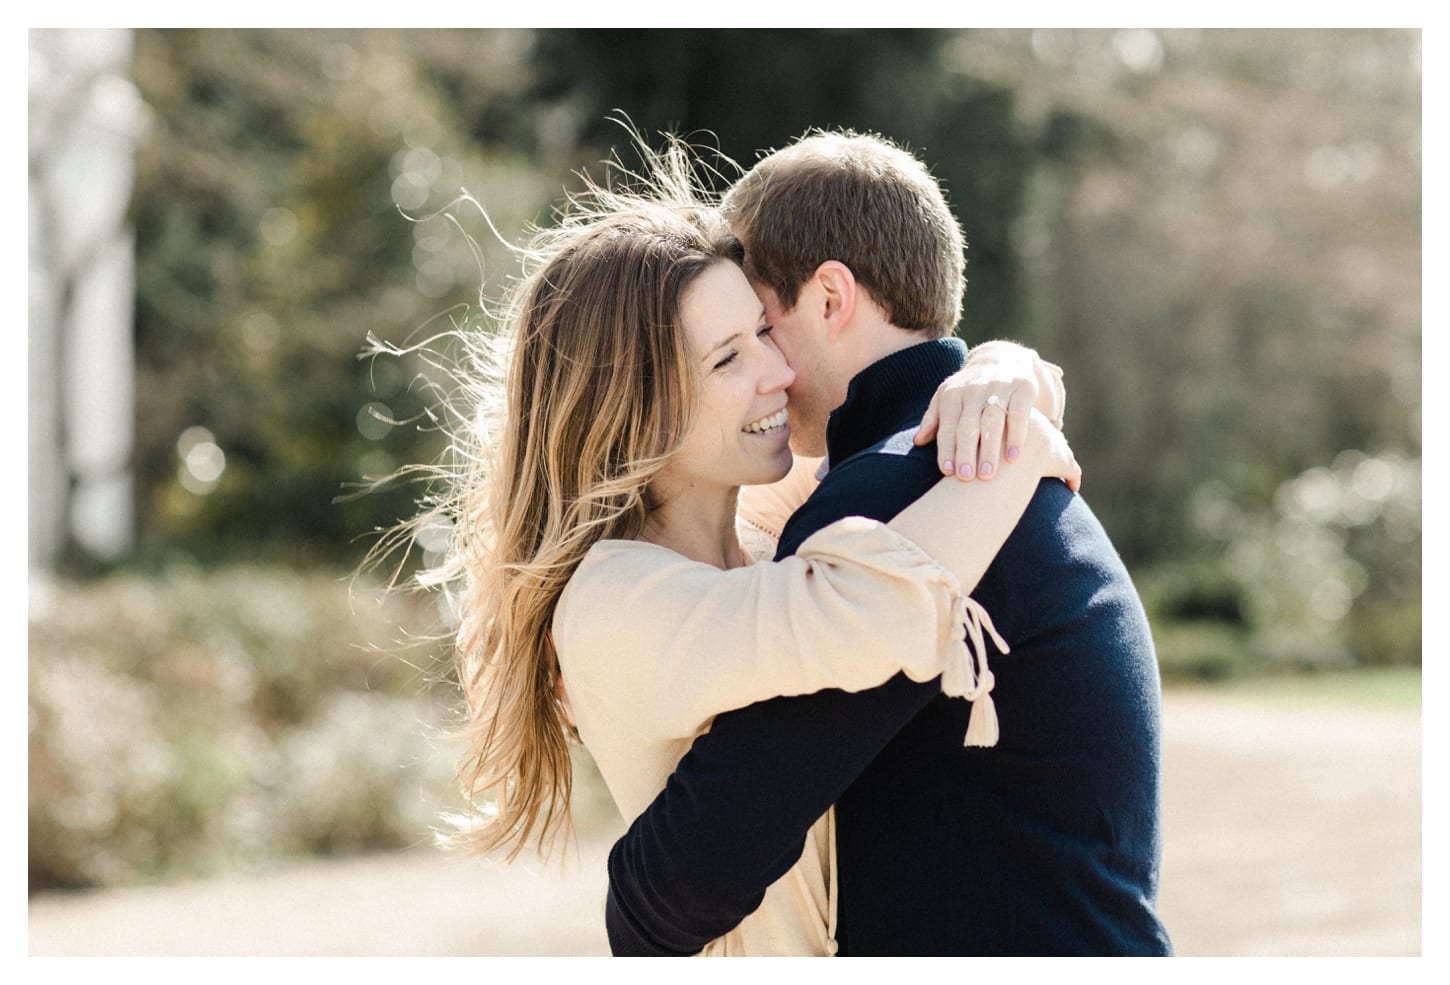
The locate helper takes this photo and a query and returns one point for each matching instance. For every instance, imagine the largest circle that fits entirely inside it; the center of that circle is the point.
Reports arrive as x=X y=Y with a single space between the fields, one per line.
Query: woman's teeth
x=771 y=423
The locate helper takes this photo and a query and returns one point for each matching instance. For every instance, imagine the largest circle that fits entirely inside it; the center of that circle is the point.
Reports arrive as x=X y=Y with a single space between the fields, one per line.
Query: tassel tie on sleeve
x=967 y=674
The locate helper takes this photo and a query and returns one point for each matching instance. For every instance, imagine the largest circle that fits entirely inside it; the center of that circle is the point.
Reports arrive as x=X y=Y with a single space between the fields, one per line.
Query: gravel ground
x=1291 y=828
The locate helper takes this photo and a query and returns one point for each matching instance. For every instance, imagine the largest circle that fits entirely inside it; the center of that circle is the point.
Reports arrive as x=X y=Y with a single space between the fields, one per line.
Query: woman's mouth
x=768 y=424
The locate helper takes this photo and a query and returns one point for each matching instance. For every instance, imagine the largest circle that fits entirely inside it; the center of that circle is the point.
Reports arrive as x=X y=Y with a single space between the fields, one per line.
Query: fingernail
x=965 y=471
x=1011 y=453
x=985 y=469
x=947 y=467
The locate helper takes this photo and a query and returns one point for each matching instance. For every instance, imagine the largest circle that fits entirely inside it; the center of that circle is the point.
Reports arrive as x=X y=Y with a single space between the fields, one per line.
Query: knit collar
x=891 y=395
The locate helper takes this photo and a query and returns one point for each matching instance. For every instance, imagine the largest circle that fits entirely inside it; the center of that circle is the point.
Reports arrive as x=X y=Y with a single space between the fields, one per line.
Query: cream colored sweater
x=653 y=646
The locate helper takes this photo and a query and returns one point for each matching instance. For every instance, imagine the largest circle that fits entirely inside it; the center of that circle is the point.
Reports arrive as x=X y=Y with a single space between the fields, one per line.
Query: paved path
x=1290 y=828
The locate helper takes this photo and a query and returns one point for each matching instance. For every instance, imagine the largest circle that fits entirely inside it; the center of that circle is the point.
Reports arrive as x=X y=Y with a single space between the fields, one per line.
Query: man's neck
x=873 y=343
x=891 y=393
x=869 y=341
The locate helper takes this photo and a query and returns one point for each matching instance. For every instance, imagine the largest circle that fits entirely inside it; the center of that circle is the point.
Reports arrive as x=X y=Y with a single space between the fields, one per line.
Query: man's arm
x=734 y=816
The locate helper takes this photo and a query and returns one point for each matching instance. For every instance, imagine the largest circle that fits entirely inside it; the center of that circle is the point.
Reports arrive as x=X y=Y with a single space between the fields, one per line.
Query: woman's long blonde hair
x=575 y=406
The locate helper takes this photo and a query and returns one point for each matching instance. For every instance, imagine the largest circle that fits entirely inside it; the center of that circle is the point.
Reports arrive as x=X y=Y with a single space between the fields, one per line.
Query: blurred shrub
x=1326 y=575
x=192 y=722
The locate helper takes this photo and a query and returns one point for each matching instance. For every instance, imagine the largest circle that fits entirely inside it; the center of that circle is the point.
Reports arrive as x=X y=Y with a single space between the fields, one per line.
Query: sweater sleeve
x=670 y=643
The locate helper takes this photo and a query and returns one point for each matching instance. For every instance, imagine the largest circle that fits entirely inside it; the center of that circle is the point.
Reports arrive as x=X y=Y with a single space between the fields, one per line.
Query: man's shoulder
x=895 y=459
x=877 y=482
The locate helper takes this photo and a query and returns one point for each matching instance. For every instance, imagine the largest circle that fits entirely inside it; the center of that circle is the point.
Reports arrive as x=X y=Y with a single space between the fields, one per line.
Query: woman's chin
x=778 y=470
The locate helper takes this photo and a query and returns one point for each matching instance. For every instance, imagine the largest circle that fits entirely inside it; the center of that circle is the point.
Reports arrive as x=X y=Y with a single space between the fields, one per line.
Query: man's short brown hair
x=865 y=202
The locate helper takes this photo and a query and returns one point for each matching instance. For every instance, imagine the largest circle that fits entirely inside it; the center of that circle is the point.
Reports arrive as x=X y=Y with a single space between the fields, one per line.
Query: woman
x=639 y=392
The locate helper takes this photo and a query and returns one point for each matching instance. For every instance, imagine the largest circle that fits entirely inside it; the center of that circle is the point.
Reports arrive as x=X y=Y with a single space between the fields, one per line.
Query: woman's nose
x=778 y=375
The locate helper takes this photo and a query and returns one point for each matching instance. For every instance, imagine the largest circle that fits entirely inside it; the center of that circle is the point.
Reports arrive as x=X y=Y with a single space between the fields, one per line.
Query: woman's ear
x=838 y=296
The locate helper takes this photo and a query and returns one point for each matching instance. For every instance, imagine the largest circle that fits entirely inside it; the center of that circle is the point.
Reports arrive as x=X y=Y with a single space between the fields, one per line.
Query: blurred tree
x=748 y=91
x=272 y=242
x=1224 y=252
x=84 y=122
x=1222 y=247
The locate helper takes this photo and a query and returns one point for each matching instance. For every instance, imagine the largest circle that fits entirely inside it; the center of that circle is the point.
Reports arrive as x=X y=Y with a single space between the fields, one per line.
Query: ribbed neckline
x=891 y=395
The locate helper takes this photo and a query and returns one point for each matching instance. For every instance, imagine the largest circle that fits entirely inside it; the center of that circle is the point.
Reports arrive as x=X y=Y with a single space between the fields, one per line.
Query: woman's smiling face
x=740 y=435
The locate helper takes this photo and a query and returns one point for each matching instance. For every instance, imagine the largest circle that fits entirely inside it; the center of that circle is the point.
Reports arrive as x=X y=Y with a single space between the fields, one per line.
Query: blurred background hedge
x=1215 y=233
x=196 y=721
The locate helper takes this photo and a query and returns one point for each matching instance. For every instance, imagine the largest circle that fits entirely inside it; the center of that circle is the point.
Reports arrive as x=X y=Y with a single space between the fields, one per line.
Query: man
x=1047 y=842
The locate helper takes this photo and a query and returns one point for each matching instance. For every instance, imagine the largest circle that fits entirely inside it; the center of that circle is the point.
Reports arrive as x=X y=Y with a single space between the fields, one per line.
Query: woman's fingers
x=949 y=431
x=993 y=420
x=1060 y=462
x=926 y=430
x=978 y=426
x=1019 y=409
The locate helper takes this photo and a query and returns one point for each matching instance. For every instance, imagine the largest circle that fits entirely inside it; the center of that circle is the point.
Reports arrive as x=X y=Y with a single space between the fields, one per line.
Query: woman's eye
x=765 y=330
x=726 y=361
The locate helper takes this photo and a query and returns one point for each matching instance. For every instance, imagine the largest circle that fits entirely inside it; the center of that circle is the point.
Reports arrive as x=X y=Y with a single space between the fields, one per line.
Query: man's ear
x=838 y=296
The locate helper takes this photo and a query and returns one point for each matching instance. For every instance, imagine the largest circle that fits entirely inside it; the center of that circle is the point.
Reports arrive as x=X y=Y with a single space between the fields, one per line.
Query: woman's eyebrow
x=721 y=344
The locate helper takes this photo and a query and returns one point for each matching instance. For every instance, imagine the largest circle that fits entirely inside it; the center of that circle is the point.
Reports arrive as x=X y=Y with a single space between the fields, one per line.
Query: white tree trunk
x=85 y=121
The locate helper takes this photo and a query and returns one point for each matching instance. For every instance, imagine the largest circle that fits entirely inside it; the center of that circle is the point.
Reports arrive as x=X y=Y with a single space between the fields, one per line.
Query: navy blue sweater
x=1046 y=844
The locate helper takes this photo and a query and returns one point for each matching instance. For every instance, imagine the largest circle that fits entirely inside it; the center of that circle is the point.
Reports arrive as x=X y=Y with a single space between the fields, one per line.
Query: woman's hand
x=979 y=415
x=1048 y=447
